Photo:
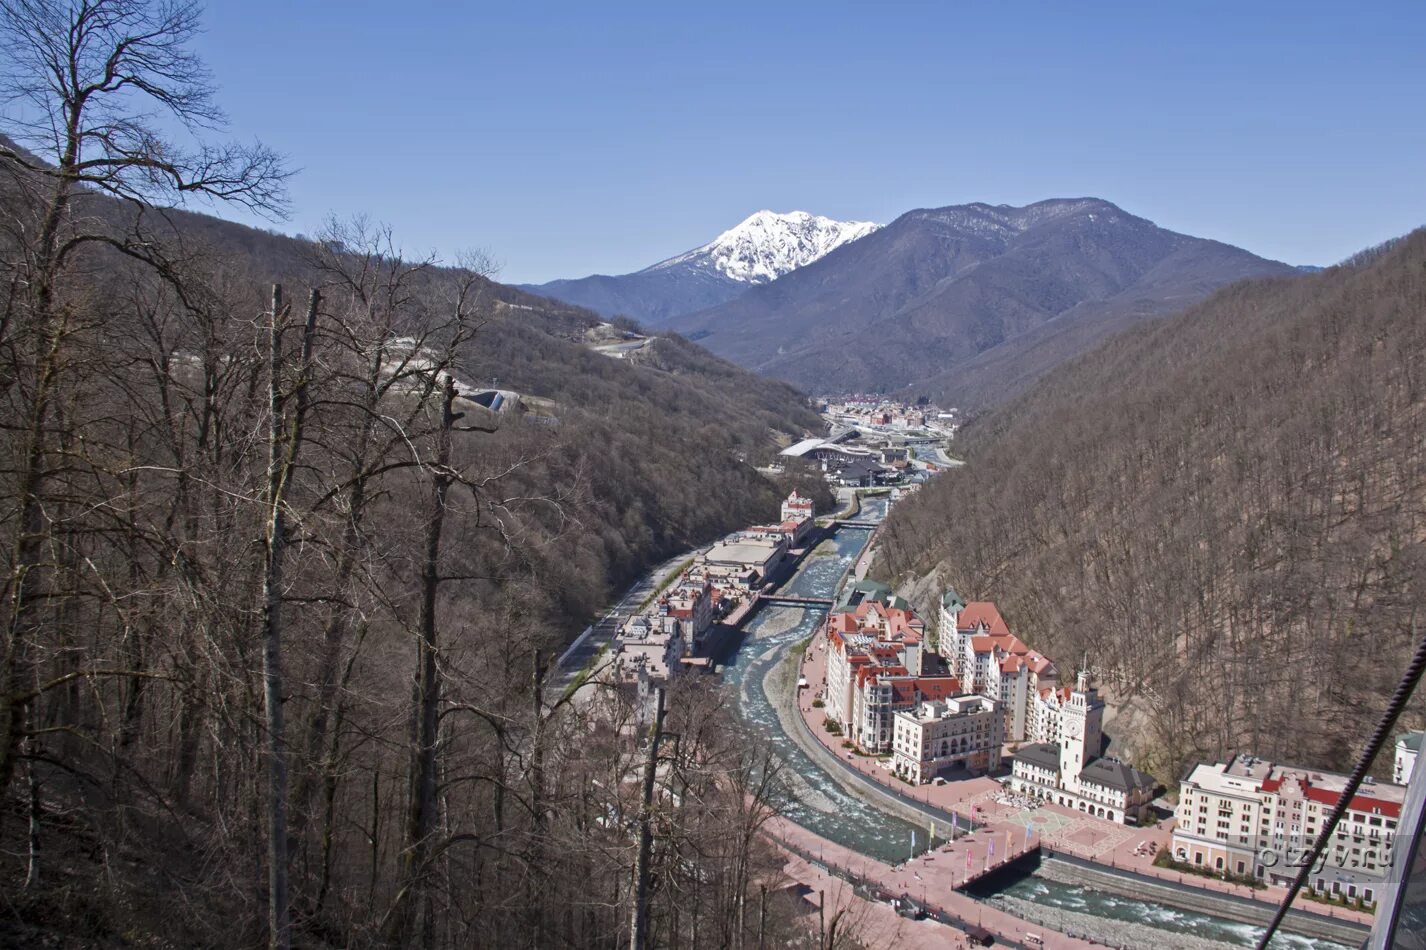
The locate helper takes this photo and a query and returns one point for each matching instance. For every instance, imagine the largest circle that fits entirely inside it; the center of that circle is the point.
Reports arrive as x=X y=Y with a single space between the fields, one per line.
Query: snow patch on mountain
x=767 y=245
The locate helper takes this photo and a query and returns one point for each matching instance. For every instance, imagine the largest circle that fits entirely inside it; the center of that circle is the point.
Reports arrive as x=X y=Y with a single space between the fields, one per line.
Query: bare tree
x=285 y=438
x=86 y=83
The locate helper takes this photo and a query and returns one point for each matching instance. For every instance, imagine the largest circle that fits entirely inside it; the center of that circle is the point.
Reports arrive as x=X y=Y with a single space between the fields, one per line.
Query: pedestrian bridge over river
x=792 y=600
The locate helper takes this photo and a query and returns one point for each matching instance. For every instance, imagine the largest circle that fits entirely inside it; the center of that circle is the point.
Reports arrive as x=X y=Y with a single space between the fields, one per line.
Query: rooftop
x=1248 y=775
x=1111 y=773
x=744 y=551
x=1045 y=755
x=951 y=706
x=801 y=448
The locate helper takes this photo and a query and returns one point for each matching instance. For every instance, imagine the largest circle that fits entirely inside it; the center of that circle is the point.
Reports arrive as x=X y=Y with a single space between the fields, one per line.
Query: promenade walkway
x=929 y=880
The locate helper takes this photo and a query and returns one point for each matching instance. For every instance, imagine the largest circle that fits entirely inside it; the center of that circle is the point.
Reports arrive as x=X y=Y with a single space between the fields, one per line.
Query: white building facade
x=991 y=661
x=1251 y=818
x=1071 y=773
x=1408 y=746
x=962 y=732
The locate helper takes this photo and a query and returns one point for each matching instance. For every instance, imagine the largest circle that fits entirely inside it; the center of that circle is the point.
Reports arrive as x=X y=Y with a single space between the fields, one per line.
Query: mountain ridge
x=759 y=249
x=939 y=287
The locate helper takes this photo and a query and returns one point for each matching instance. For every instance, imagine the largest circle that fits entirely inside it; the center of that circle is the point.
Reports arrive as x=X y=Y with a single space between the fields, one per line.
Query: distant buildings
x=669 y=634
x=859 y=474
x=871 y=441
x=797 y=524
x=797 y=511
x=1253 y=818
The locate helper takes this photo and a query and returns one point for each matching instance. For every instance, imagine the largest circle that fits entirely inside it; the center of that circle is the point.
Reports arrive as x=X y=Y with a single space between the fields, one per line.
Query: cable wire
x=1393 y=711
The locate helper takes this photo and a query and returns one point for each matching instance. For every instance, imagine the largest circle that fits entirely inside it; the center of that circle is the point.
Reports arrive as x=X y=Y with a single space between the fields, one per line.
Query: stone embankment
x=1069 y=870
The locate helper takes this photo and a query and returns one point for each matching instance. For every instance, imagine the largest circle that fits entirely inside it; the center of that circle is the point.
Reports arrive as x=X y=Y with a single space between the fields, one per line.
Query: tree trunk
x=639 y=914
x=284 y=444
x=413 y=918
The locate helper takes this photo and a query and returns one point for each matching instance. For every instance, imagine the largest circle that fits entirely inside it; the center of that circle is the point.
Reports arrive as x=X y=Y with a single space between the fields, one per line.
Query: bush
x=817 y=704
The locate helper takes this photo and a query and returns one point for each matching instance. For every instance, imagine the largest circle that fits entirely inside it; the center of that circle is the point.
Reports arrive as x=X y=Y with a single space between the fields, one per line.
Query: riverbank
x=1069 y=870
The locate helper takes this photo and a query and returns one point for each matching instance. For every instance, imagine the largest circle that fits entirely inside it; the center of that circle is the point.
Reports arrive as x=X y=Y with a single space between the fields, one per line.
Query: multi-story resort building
x=1070 y=771
x=1047 y=713
x=1253 y=818
x=875 y=665
x=992 y=662
x=797 y=514
x=962 y=732
x=687 y=609
x=756 y=552
x=646 y=651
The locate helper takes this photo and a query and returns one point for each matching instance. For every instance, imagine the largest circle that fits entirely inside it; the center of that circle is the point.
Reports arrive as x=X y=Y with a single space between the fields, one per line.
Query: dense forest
x=1225 y=510
x=280 y=598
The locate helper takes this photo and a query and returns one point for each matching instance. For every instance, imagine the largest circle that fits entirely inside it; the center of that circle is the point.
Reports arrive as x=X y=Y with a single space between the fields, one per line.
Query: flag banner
x=990 y=849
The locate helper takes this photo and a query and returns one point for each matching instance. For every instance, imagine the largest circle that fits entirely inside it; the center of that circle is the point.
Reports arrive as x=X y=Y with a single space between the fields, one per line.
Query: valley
x=722 y=477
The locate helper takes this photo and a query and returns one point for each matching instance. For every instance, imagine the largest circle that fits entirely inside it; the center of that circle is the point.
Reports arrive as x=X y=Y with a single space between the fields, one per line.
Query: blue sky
x=599 y=138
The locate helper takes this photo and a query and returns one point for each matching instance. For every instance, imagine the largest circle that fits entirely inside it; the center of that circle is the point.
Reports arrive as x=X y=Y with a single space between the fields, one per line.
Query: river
x=818 y=802
x=822 y=805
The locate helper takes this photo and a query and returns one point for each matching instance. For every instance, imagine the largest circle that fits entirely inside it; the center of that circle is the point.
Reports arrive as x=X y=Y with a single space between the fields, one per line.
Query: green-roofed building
x=1408 y=746
x=870 y=591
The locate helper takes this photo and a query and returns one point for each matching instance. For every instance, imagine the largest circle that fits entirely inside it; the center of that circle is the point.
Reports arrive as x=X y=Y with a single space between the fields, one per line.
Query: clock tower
x=1081 y=731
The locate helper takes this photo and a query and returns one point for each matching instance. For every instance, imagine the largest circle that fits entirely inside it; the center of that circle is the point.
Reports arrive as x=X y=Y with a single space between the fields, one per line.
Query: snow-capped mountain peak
x=767 y=245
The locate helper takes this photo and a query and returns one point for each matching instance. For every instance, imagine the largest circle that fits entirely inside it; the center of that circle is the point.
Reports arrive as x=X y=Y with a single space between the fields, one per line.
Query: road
x=601 y=632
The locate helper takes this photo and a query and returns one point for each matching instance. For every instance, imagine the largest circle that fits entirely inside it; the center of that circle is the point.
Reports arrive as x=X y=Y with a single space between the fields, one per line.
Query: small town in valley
x=954 y=724
x=837 y=476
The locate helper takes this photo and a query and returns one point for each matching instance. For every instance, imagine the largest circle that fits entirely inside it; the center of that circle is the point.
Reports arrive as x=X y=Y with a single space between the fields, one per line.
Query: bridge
x=851 y=523
x=789 y=600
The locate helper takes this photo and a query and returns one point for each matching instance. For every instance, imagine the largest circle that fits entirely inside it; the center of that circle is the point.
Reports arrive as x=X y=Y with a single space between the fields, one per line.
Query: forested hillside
x=280 y=597
x=1225 y=510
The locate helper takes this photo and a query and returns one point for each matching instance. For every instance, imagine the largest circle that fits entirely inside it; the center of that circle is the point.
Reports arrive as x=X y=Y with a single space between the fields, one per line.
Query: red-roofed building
x=875 y=669
x=880 y=690
x=993 y=662
x=1251 y=817
x=797 y=516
